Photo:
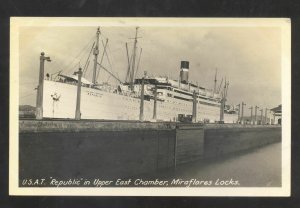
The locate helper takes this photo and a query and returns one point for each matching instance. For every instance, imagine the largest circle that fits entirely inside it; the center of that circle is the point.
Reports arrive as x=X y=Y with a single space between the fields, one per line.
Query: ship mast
x=128 y=67
x=215 y=85
x=96 y=52
x=133 y=59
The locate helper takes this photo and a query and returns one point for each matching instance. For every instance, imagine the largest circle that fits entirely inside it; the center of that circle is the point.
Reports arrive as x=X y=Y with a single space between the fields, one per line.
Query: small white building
x=276 y=114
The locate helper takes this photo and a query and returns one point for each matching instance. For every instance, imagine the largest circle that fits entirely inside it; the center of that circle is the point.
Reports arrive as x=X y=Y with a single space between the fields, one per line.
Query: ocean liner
x=147 y=98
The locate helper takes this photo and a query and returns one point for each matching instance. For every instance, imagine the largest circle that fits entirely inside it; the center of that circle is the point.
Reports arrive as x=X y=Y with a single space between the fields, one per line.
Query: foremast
x=133 y=59
x=96 y=52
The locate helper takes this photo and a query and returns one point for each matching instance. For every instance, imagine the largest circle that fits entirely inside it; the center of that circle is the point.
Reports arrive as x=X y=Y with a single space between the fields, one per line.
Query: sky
x=249 y=57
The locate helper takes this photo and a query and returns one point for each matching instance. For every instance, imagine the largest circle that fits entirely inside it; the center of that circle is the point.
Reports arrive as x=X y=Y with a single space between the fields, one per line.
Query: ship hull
x=59 y=101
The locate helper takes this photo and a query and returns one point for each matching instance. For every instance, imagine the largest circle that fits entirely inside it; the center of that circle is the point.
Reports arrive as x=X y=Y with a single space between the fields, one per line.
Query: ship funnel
x=184 y=72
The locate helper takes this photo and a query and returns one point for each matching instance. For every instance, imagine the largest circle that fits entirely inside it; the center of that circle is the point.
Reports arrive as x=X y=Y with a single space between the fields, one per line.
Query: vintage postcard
x=150 y=106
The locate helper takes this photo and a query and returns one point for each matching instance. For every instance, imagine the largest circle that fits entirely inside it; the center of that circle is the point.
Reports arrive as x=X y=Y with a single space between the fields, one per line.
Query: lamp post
x=251 y=118
x=255 y=115
x=222 y=106
x=261 y=116
x=239 y=105
x=39 y=99
x=194 y=115
x=142 y=100
x=266 y=116
x=155 y=103
x=242 y=116
x=77 y=112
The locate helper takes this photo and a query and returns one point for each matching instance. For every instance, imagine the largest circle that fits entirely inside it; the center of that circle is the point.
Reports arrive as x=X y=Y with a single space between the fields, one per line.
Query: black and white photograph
x=150 y=106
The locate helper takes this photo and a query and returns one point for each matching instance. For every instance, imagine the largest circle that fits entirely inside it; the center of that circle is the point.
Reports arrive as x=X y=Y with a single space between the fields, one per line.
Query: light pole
x=255 y=115
x=155 y=103
x=194 y=113
x=142 y=100
x=222 y=110
x=242 y=117
x=266 y=115
x=261 y=116
x=77 y=112
x=251 y=118
x=239 y=105
x=39 y=99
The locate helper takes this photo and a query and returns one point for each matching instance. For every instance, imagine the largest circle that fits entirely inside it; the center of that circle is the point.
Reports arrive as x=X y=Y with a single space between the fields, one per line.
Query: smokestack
x=184 y=72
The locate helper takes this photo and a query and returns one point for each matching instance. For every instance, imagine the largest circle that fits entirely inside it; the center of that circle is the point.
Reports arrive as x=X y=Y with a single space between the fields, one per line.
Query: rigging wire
x=128 y=68
x=106 y=45
x=101 y=60
x=110 y=73
x=88 y=60
x=105 y=52
x=54 y=66
x=128 y=62
x=111 y=58
x=72 y=65
x=87 y=66
x=137 y=68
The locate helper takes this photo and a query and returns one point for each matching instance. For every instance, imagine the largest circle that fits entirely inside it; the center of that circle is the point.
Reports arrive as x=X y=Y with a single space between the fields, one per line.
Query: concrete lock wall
x=104 y=154
x=195 y=142
x=223 y=140
x=189 y=143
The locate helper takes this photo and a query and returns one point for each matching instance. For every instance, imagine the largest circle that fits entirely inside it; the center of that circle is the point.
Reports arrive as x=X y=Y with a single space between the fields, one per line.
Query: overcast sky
x=249 y=57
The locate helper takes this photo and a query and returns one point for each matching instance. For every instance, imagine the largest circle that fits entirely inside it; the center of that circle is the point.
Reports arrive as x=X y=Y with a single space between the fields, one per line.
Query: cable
x=111 y=57
x=71 y=65
x=104 y=51
x=88 y=60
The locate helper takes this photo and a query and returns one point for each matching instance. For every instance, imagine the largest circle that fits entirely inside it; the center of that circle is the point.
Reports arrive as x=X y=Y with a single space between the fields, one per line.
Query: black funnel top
x=185 y=64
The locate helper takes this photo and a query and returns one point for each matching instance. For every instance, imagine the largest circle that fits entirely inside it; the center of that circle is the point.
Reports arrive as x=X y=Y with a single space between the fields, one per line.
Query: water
x=255 y=168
